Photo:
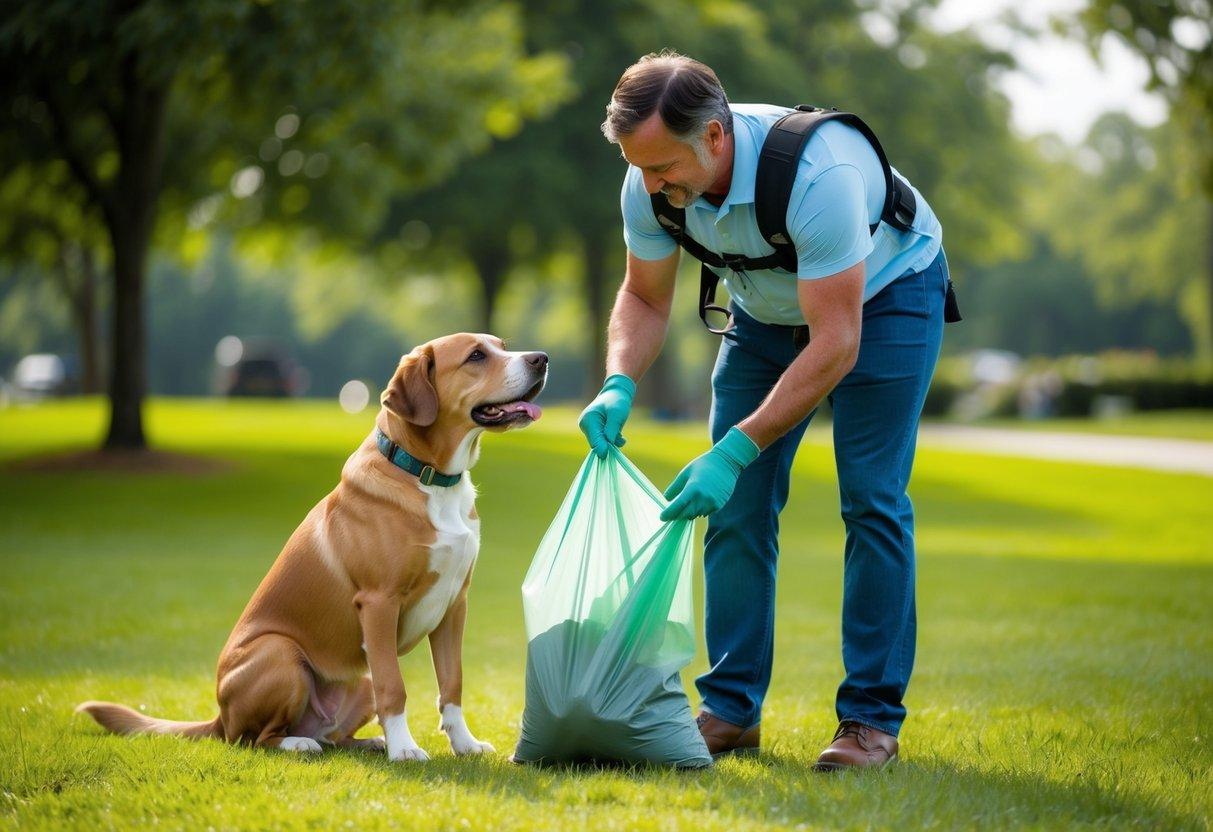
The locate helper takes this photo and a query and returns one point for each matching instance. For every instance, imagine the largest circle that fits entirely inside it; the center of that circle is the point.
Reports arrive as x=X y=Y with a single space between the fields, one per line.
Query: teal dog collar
x=405 y=461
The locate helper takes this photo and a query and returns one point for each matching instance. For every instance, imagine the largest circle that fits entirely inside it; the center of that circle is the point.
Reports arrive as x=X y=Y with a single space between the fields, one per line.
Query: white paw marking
x=305 y=745
x=415 y=754
x=456 y=729
x=400 y=743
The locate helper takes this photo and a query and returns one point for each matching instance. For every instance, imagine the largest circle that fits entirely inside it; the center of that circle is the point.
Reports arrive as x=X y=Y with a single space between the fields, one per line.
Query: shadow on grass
x=785 y=789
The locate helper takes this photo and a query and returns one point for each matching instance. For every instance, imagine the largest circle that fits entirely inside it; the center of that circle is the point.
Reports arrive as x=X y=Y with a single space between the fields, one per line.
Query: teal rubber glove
x=603 y=418
x=706 y=484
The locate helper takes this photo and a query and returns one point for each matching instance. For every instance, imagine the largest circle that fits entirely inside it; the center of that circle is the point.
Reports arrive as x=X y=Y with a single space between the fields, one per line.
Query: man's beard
x=680 y=197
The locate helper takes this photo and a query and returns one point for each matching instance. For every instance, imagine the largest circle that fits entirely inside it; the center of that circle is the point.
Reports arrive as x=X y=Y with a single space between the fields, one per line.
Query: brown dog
x=382 y=561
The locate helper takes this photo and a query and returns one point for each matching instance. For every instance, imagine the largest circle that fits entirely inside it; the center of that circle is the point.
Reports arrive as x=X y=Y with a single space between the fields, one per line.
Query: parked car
x=263 y=369
x=43 y=374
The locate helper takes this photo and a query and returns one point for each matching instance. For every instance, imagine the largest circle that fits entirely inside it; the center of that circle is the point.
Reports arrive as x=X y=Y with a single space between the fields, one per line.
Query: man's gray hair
x=684 y=91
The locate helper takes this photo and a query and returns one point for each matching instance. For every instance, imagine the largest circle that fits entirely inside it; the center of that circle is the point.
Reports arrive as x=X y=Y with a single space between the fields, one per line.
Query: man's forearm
x=635 y=335
x=806 y=381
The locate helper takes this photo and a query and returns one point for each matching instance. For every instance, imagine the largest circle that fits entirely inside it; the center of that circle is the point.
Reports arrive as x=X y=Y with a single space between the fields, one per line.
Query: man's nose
x=653 y=184
x=537 y=360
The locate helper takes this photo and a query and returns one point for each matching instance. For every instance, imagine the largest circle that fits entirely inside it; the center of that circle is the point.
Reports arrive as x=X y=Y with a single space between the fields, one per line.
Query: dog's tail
x=120 y=719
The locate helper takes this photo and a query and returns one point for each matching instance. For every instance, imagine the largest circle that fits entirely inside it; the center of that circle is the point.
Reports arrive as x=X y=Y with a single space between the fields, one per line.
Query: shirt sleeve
x=643 y=235
x=829 y=226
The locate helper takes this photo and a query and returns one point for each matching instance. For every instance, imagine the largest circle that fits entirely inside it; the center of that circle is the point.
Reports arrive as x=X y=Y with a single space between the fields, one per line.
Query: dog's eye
x=476 y=355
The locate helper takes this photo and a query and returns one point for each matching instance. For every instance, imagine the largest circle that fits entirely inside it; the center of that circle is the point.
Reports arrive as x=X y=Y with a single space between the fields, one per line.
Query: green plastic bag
x=609 y=626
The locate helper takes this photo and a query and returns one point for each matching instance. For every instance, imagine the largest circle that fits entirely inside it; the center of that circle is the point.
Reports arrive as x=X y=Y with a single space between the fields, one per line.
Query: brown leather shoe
x=857 y=746
x=725 y=737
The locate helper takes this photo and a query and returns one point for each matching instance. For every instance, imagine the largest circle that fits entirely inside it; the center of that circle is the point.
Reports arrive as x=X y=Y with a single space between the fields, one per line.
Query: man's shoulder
x=832 y=143
x=759 y=112
x=756 y=119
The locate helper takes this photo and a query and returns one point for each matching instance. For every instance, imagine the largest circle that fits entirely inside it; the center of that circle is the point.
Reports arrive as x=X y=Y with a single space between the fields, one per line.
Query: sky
x=1058 y=87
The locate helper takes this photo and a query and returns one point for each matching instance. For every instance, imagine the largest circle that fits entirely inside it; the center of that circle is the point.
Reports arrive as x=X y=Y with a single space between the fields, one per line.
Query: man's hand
x=603 y=419
x=705 y=485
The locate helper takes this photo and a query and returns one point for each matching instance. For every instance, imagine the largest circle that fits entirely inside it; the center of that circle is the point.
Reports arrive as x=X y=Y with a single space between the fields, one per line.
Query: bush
x=1073 y=386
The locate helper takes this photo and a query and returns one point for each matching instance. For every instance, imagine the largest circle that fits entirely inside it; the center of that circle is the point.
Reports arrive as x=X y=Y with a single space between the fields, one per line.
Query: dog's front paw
x=400 y=743
x=415 y=753
x=470 y=745
x=302 y=745
x=456 y=729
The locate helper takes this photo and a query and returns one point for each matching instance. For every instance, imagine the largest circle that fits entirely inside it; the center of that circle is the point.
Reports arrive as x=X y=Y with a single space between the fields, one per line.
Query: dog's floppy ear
x=410 y=394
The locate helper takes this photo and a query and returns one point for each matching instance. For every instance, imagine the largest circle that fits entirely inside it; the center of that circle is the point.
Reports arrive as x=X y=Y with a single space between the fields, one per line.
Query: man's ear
x=410 y=394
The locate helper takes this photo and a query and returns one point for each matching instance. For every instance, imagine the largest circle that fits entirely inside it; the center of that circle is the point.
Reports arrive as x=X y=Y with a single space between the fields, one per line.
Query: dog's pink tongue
x=532 y=410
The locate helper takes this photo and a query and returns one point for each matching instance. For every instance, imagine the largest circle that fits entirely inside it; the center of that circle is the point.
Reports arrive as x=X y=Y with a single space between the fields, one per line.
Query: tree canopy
x=311 y=113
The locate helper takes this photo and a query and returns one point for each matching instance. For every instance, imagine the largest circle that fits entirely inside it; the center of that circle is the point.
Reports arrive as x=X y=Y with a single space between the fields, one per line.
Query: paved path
x=1182 y=455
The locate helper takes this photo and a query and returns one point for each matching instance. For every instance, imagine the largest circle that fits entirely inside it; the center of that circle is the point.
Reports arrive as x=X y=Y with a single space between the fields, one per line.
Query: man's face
x=672 y=166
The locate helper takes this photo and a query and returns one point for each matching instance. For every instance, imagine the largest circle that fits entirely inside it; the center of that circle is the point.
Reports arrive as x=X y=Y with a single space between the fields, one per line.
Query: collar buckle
x=427 y=475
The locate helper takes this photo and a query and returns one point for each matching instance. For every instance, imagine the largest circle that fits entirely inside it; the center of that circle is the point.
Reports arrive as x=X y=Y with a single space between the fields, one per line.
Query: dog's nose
x=538 y=360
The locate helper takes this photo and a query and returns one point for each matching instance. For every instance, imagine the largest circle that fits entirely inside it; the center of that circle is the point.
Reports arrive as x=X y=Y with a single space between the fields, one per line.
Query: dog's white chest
x=451 y=558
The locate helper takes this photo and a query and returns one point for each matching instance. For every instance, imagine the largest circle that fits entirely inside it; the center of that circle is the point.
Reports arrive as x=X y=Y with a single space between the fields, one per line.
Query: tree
x=1176 y=40
x=49 y=228
x=1138 y=236
x=158 y=105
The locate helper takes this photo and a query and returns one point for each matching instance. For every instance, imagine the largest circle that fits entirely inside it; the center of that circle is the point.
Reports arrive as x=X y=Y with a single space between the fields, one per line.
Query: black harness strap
x=776 y=174
x=673 y=220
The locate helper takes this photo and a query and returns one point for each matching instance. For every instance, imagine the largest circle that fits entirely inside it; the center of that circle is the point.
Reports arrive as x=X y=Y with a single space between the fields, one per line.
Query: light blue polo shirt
x=838 y=193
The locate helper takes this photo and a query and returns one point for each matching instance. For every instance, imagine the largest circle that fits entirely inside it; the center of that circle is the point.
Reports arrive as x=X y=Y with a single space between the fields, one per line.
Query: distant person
x=866 y=277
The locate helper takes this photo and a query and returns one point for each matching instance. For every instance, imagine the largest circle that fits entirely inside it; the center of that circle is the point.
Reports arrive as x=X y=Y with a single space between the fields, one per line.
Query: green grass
x=1064 y=674
x=1171 y=424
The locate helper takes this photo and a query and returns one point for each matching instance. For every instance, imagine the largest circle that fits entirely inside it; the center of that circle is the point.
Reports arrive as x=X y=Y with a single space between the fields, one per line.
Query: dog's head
x=464 y=381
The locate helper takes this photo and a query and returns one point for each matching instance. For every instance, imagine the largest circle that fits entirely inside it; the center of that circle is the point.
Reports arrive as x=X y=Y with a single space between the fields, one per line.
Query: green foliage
x=1147 y=384
x=1062 y=676
x=1051 y=303
x=1128 y=210
x=354 y=101
x=1176 y=40
x=1077 y=385
x=328 y=108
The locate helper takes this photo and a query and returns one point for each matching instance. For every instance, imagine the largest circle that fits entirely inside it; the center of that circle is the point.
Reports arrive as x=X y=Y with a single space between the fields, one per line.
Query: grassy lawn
x=1064 y=674
x=1172 y=424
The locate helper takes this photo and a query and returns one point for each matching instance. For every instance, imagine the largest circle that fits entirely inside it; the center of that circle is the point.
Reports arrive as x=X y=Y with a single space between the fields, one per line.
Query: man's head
x=671 y=119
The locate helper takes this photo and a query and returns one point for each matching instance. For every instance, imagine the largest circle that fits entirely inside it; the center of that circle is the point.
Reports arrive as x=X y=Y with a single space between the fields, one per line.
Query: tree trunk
x=1205 y=349
x=128 y=377
x=131 y=218
x=77 y=276
x=86 y=324
x=490 y=271
x=659 y=389
x=596 y=271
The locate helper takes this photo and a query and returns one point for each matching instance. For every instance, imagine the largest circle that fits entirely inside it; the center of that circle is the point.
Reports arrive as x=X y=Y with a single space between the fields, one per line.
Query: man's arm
x=634 y=337
x=640 y=316
x=833 y=308
x=642 y=306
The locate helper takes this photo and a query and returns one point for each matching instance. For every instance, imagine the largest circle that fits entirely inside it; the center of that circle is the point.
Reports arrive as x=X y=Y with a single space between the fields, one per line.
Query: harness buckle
x=736 y=262
x=427 y=475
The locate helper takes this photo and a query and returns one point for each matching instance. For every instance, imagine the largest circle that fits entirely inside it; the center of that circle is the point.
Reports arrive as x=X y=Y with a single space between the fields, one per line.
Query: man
x=872 y=303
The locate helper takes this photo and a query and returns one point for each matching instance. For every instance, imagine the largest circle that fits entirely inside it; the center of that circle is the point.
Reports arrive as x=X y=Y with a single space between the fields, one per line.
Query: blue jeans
x=876 y=410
